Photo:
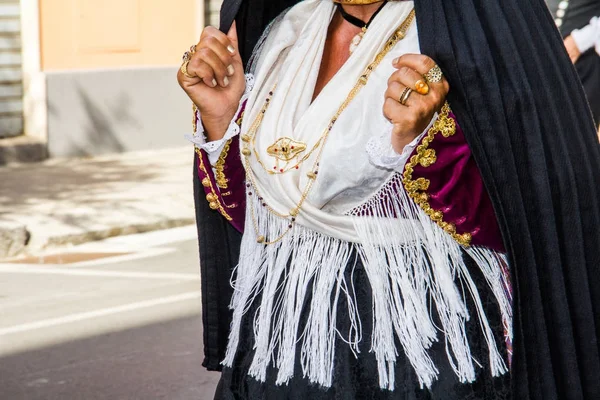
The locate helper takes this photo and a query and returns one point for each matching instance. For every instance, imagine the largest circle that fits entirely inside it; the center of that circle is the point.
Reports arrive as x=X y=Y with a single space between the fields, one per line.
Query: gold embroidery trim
x=426 y=157
x=212 y=197
x=195 y=119
x=220 y=177
x=222 y=181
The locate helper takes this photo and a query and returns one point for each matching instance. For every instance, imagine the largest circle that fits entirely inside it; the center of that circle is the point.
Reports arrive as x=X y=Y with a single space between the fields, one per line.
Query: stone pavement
x=70 y=201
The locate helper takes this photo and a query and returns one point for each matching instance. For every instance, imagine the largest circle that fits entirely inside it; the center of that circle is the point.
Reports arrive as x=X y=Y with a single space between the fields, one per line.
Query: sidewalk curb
x=15 y=241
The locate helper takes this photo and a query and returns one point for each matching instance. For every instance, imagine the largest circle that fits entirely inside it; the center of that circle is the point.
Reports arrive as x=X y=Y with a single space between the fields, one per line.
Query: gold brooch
x=286 y=149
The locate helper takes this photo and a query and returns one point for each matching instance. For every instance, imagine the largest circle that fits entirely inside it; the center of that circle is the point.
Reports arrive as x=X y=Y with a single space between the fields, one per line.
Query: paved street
x=118 y=319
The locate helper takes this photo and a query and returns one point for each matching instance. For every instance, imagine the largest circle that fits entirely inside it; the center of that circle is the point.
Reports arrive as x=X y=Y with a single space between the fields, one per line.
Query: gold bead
x=246 y=152
x=261 y=239
x=311 y=175
x=213 y=205
x=450 y=228
x=211 y=198
x=294 y=212
x=206 y=182
x=246 y=138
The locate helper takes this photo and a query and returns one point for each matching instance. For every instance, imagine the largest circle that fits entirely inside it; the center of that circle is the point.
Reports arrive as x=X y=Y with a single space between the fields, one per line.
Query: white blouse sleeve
x=382 y=154
x=214 y=148
x=588 y=37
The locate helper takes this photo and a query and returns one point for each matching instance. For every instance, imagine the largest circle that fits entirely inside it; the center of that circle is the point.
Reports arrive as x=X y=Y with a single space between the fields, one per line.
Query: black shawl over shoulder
x=519 y=101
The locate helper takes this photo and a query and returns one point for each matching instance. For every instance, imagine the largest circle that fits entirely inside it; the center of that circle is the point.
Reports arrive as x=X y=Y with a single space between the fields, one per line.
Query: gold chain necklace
x=249 y=139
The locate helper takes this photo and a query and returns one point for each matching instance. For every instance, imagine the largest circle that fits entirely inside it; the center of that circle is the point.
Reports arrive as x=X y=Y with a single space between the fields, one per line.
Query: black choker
x=359 y=23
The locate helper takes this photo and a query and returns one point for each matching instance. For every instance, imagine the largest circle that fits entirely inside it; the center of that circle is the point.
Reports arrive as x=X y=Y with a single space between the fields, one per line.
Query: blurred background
x=99 y=277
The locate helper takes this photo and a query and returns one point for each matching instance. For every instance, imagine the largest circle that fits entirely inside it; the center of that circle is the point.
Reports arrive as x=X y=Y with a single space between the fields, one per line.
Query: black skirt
x=357 y=377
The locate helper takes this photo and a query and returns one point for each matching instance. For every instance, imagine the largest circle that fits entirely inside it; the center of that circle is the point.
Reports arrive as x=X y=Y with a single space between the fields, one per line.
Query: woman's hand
x=215 y=80
x=572 y=49
x=412 y=118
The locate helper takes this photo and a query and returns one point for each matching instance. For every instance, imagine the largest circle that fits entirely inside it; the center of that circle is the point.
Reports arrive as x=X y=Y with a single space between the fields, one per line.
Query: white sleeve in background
x=382 y=154
x=213 y=149
x=588 y=37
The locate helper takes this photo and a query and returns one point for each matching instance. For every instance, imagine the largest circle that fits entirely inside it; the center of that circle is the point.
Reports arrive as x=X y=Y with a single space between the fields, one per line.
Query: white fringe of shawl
x=408 y=277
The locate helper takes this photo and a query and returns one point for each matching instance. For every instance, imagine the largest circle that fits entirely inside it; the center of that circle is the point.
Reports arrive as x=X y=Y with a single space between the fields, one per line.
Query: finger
x=224 y=39
x=410 y=78
x=233 y=37
x=398 y=114
x=235 y=53
x=208 y=57
x=396 y=91
x=418 y=62
x=221 y=51
x=187 y=81
x=203 y=71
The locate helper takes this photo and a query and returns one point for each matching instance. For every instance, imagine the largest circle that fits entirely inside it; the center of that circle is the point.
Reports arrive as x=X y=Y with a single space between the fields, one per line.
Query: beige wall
x=83 y=34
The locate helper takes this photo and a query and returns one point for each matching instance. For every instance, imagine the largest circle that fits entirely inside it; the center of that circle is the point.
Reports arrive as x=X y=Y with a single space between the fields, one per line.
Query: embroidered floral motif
x=426 y=157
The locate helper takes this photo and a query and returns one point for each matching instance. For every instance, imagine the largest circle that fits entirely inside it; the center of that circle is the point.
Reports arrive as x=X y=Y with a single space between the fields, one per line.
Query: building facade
x=87 y=77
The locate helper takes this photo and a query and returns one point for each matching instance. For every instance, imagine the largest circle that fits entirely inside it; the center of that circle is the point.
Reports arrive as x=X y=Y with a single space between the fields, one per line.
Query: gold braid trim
x=212 y=197
x=194 y=119
x=220 y=177
x=426 y=157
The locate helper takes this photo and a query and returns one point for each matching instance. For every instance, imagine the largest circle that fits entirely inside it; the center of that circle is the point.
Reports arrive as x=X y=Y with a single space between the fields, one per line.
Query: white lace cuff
x=382 y=154
x=215 y=147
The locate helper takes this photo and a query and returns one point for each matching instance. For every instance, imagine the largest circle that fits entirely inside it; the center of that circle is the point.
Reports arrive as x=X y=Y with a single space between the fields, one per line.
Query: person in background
x=579 y=23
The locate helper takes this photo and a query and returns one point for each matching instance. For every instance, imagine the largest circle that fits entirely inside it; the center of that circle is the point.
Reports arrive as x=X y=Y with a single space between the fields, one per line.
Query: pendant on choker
x=356 y=40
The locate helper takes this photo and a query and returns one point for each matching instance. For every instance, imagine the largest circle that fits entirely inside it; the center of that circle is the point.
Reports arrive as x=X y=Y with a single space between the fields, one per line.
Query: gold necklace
x=249 y=139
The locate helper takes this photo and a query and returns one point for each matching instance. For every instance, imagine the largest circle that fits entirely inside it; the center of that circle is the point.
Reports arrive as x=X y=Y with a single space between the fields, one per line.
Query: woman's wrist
x=216 y=128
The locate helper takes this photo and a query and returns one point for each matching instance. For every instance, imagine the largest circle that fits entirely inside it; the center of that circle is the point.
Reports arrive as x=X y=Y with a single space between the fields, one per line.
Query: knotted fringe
x=412 y=266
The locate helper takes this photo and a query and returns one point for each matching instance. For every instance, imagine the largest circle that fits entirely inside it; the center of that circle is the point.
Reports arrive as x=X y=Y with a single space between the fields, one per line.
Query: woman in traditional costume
x=390 y=194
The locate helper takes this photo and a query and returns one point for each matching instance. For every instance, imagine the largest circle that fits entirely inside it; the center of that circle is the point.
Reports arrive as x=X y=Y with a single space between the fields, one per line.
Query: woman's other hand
x=215 y=79
x=572 y=49
x=412 y=114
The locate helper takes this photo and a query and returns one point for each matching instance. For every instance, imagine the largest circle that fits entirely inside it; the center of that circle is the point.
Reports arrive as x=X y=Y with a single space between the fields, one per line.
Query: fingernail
x=230 y=70
x=226 y=81
x=396 y=60
x=231 y=49
x=214 y=82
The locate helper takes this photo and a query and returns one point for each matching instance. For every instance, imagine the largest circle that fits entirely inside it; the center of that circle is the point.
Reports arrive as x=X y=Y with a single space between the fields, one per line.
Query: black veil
x=524 y=113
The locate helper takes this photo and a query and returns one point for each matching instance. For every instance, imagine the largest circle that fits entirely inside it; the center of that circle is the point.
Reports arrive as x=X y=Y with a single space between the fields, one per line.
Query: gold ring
x=422 y=87
x=184 y=70
x=187 y=57
x=405 y=95
x=435 y=75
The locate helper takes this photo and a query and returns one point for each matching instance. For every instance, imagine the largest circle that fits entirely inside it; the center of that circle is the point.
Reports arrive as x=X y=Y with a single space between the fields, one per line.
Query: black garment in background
x=588 y=68
x=519 y=101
